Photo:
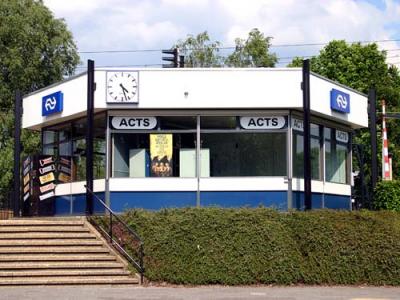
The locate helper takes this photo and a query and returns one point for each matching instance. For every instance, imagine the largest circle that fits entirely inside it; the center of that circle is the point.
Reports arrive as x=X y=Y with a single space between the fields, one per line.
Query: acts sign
x=263 y=122
x=133 y=122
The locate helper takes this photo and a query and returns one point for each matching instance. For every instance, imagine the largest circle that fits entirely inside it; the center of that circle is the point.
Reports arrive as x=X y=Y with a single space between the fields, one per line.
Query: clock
x=122 y=87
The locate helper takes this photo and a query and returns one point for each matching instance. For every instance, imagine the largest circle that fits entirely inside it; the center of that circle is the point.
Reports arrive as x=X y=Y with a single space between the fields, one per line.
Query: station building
x=198 y=137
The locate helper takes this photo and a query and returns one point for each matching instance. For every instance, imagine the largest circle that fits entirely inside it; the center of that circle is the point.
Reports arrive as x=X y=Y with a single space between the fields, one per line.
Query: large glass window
x=227 y=150
x=170 y=150
x=298 y=153
x=66 y=142
x=336 y=162
x=155 y=154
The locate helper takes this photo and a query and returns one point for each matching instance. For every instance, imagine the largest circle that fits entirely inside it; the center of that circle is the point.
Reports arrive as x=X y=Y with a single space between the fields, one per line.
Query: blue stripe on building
x=121 y=201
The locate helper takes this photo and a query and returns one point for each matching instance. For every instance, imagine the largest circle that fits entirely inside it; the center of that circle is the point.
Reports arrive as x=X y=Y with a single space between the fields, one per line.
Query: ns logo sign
x=52 y=103
x=340 y=101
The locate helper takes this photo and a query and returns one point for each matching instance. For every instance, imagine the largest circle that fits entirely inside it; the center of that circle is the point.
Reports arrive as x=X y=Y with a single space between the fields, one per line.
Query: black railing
x=115 y=234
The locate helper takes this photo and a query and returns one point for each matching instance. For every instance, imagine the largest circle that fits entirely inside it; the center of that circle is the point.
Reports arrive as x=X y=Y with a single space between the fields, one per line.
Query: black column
x=307 y=136
x=374 y=145
x=17 y=153
x=89 y=136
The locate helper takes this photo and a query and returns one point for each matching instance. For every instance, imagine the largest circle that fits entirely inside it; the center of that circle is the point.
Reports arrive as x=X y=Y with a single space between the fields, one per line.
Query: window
x=227 y=150
x=298 y=153
x=336 y=157
x=244 y=154
x=135 y=156
x=170 y=150
x=166 y=151
x=67 y=142
x=218 y=123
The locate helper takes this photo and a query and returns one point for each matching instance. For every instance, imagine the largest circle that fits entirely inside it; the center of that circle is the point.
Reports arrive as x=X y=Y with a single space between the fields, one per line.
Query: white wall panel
x=74 y=91
x=202 y=89
x=320 y=103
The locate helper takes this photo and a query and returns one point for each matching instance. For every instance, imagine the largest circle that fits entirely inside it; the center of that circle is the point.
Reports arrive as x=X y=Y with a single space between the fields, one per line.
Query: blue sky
x=99 y=25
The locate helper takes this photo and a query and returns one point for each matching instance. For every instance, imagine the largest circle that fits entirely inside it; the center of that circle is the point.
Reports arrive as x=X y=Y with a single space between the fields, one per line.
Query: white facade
x=202 y=89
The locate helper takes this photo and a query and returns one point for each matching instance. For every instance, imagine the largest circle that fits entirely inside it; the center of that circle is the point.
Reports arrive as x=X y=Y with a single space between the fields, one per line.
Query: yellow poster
x=46 y=178
x=161 y=155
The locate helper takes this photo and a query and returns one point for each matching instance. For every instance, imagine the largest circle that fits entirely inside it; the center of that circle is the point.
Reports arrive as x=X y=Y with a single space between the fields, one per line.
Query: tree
x=362 y=67
x=35 y=50
x=199 y=51
x=252 y=52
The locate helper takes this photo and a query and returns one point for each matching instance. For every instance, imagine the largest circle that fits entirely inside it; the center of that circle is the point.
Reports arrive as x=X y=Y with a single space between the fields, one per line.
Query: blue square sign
x=340 y=101
x=52 y=103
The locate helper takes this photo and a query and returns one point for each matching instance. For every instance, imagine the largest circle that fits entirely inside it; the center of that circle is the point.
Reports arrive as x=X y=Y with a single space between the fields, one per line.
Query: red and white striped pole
x=385 y=148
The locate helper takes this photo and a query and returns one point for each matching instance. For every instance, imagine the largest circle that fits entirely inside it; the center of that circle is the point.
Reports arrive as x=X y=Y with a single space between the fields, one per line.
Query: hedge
x=262 y=246
x=387 y=195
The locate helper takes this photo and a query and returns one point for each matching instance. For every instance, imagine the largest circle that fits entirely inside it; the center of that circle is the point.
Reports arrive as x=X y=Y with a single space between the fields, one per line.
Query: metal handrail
x=138 y=265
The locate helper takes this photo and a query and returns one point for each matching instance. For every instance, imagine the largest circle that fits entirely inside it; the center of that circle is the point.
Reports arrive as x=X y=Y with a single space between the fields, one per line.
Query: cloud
x=138 y=24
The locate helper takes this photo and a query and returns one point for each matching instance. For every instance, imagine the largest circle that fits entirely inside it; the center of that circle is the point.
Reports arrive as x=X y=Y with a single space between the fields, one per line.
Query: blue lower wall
x=121 y=201
x=322 y=201
x=276 y=199
x=76 y=204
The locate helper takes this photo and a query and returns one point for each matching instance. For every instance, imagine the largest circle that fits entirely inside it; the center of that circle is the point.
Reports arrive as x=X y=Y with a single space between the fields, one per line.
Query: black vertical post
x=307 y=136
x=17 y=153
x=360 y=157
x=374 y=145
x=89 y=136
x=181 y=61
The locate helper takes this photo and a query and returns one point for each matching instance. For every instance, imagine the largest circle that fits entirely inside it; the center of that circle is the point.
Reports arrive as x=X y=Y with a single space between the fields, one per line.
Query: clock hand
x=124 y=90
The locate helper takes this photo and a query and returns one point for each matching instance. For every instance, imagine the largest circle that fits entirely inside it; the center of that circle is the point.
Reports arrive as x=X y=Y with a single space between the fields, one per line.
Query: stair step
x=68 y=280
x=53 y=249
x=63 y=272
x=54 y=242
x=59 y=265
x=52 y=257
x=57 y=251
x=47 y=235
x=41 y=222
x=41 y=228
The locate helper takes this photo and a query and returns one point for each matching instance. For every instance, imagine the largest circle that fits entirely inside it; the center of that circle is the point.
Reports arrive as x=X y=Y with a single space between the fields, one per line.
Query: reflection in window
x=132 y=156
x=244 y=154
x=218 y=122
x=177 y=122
x=298 y=153
x=66 y=142
x=335 y=158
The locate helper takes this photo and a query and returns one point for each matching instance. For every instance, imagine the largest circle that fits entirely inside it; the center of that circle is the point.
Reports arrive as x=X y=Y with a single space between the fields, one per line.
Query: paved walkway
x=200 y=293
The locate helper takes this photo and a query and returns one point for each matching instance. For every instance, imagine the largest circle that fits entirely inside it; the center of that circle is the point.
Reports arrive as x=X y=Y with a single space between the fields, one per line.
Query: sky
x=134 y=25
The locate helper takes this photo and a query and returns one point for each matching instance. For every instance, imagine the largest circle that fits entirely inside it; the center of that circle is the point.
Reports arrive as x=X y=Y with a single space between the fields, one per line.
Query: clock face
x=122 y=87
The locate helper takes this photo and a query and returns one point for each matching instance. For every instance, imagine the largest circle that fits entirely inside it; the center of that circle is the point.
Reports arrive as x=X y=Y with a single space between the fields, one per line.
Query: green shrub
x=263 y=246
x=387 y=195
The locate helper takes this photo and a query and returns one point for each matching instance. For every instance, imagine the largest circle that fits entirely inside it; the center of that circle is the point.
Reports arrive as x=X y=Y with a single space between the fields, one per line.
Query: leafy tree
x=199 y=51
x=35 y=50
x=362 y=67
x=252 y=52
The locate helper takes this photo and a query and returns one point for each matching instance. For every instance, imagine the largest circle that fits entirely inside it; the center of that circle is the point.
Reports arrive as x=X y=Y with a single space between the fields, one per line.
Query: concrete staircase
x=51 y=251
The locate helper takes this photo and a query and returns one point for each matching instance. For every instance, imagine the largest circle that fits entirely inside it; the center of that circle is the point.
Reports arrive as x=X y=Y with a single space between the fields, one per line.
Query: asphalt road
x=200 y=293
